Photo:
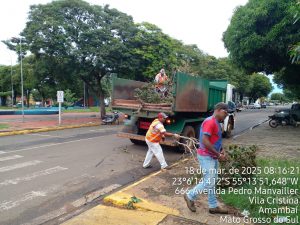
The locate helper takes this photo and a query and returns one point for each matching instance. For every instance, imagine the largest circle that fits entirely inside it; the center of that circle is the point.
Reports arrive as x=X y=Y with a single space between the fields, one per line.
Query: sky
x=200 y=22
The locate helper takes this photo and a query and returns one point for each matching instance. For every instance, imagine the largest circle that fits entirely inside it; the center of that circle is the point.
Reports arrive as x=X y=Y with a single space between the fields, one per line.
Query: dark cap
x=221 y=105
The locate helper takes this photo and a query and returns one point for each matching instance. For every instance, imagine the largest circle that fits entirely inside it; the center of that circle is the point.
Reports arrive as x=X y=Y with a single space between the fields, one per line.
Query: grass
x=6 y=107
x=3 y=126
x=242 y=201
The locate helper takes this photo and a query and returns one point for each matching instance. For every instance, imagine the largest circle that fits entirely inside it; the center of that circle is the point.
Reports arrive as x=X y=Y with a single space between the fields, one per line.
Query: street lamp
x=12 y=84
x=22 y=86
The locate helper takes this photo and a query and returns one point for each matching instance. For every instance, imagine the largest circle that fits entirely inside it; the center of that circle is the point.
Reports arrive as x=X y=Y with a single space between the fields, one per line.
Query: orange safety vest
x=161 y=80
x=154 y=135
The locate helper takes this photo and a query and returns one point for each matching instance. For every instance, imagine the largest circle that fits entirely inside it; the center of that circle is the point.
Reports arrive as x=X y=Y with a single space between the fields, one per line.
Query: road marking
x=10 y=157
x=2 y=152
x=19 y=165
x=50 y=145
x=33 y=175
x=46 y=135
x=104 y=129
x=77 y=203
x=6 y=205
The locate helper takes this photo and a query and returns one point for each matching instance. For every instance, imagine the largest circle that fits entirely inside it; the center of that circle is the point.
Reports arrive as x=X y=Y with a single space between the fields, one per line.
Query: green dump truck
x=193 y=101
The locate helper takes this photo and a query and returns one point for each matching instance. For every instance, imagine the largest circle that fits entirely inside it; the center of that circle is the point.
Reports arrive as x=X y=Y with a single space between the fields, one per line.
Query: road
x=44 y=175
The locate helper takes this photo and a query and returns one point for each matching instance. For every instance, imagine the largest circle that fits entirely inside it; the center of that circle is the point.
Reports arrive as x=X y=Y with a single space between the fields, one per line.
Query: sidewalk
x=159 y=202
x=13 y=123
x=281 y=142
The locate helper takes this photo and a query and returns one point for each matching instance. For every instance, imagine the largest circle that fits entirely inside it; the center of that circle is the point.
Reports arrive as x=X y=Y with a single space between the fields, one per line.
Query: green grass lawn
x=3 y=126
x=6 y=107
x=276 y=180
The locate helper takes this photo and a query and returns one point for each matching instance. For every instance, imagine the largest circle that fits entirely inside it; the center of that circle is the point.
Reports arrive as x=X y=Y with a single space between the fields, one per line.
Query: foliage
x=69 y=98
x=259 y=86
x=290 y=95
x=277 y=96
x=73 y=42
x=295 y=50
x=148 y=94
x=81 y=40
x=259 y=37
x=238 y=158
x=4 y=94
x=130 y=204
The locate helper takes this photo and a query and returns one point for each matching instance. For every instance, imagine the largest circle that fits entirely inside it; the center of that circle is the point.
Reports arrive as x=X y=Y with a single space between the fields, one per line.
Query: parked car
x=253 y=106
x=263 y=105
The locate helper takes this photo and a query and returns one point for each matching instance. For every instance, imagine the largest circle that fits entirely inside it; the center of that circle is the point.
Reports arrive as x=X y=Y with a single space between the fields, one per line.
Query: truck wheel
x=188 y=131
x=273 y=123
x=137 y=142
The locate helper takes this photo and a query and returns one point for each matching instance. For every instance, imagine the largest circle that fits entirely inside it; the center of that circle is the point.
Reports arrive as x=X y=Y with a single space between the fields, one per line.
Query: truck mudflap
x=169 y=142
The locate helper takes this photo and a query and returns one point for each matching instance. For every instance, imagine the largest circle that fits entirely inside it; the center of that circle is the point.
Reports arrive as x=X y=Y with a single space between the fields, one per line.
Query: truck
x=193 y=100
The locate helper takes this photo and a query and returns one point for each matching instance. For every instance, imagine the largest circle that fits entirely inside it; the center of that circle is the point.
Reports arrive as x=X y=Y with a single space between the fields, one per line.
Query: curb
x=120 y=198
x=249 y=129
x=28 y=131
x=114 y=210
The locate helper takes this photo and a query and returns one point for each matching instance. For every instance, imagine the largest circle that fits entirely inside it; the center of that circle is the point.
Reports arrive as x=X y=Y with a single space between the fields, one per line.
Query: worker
x=209 y=153
x=155 y=134
x=160 y=79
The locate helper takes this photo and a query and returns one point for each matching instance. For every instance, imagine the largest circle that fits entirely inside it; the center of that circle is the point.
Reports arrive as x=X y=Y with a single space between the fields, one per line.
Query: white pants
x=154 y=149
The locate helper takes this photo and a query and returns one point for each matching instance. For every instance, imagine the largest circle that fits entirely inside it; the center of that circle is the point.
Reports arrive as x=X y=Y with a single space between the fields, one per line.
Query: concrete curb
x=249 y=129
x=46 y=129
x=120 y=198
x=152 y=213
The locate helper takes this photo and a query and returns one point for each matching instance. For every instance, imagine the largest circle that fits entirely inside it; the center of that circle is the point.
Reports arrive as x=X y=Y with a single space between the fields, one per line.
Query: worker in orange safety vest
x=160 y=79
x=155 y=134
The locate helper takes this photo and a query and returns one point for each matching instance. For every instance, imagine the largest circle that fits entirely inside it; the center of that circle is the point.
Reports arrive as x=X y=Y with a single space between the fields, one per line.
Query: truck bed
x=137 y=105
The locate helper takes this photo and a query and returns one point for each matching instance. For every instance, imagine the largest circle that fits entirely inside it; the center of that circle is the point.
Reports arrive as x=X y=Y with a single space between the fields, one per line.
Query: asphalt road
x=44 y=175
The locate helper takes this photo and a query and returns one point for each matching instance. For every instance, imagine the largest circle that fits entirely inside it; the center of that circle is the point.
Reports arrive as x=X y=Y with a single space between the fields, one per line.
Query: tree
x=260 y=36
x=152 y=50
x=69 y=98
x=295 y=50
x=277 y=96
x=89 y=40
x=260 y=86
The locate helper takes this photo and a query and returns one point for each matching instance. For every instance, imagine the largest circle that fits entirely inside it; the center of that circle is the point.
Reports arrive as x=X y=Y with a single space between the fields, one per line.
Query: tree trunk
x=102 y=104
x=27 y=99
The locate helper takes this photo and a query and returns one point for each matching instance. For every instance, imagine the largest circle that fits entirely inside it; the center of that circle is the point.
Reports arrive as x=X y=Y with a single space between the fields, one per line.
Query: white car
x=254 y=106
x=257 y=106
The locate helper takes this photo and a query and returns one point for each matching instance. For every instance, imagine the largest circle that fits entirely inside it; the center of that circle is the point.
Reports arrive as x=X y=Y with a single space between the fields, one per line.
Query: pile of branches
x=149 y=94
x=239 y=158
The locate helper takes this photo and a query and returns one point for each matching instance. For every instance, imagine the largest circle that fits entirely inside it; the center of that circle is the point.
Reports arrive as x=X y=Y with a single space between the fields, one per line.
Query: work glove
x=177 y=136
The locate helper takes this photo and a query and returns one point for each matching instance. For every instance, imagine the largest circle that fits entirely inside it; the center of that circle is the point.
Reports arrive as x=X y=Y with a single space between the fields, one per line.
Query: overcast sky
x=200 y=22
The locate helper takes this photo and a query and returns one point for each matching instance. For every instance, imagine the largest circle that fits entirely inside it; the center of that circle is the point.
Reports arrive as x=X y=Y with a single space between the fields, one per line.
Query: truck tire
x=188 y=131
x=137 y=142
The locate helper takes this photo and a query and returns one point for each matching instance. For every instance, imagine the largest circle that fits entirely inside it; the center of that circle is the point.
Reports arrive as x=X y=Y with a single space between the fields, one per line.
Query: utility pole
x=12 y=84
x=22 y=86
